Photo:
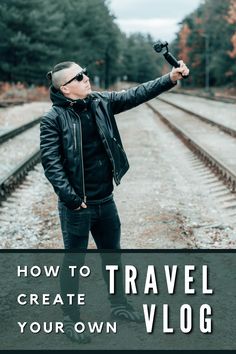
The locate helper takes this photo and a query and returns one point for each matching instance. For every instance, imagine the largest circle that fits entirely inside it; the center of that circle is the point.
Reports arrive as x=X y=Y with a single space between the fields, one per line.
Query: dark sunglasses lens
x=80 y=76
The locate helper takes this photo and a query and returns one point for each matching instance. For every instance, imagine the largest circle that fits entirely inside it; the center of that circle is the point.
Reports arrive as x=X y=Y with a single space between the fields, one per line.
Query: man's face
x=75 y=89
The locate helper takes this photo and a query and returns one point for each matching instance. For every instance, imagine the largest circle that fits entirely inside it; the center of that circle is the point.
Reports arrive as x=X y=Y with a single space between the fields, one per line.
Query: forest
x=37 y=34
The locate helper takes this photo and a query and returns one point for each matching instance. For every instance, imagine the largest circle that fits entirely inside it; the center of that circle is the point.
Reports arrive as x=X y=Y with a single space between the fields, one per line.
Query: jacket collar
x=58 y=99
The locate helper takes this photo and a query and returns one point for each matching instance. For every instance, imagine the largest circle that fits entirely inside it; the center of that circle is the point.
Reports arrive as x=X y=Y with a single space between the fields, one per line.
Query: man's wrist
x=172 y=78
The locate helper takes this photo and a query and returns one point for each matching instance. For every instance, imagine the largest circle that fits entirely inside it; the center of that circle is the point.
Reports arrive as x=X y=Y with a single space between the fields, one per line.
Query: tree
x=140 y=61
x=92 y=37
x=231 y=18
x=30 y=37
x=38 y=34
x=205 y=40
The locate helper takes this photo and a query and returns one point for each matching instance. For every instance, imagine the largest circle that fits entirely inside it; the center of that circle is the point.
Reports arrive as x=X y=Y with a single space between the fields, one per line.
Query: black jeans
x=104 y=223
x=101 y=219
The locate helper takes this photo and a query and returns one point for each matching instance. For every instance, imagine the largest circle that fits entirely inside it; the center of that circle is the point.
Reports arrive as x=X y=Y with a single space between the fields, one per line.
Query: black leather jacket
x=61 y=138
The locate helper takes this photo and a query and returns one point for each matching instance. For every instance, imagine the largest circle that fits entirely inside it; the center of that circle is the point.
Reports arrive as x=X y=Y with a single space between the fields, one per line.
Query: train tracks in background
x=225 y=128
x=9 y=134
x=22 y=145
x=203 y=135
x=10 y=103
x=212 y=97
x=212 y=142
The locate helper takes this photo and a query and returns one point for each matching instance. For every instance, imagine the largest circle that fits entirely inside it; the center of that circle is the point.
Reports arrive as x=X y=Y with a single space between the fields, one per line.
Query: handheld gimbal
x=159 y=46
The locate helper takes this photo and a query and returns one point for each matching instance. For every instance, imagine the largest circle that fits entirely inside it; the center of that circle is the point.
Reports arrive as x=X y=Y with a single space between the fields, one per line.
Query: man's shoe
x=126 y=312
x=72 y=334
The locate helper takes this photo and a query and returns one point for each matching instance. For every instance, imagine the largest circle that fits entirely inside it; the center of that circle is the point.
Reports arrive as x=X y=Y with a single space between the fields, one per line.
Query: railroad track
x=218 y=98
x=215 y=148
x=16 y=131
x=227 y=129
x=12 y=176
x=15 y=177
x=10 y=103
x=166 y=110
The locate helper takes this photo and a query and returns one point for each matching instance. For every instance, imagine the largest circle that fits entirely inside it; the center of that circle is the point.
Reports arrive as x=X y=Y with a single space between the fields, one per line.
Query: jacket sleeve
x=52 y=163
x=127 y=99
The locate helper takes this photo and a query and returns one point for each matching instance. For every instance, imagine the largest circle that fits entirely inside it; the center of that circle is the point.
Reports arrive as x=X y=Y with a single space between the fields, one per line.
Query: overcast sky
x=160 y=18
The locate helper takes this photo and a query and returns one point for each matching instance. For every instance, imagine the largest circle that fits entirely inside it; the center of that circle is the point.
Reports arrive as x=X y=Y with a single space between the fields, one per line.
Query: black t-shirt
x=97 y=165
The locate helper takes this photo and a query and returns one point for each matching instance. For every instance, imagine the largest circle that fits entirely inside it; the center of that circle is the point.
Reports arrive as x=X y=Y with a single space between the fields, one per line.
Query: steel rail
x=15 y=177
x=10 y=103
x=225 y=99
x=222 y=127
x=16 y=131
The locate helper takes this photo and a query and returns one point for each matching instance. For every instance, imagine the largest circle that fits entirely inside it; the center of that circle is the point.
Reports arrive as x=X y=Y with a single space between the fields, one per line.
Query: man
x=82 y=153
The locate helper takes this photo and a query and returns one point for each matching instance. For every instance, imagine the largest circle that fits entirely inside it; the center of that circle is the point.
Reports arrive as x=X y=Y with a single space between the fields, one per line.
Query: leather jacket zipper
x=75 y=140
x=119 y=145
x=109 y=153
x=81 y=150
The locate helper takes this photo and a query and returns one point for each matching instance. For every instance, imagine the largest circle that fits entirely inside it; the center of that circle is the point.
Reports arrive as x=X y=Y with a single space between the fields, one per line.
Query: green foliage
x=140 y=61
x=28 y=39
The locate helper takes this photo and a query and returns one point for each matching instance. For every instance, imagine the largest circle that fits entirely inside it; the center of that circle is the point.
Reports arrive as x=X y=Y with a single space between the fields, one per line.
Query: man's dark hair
x=58 y=67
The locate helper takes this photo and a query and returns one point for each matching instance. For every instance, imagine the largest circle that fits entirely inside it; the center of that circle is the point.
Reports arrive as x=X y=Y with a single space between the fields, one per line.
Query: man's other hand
x=83 y=205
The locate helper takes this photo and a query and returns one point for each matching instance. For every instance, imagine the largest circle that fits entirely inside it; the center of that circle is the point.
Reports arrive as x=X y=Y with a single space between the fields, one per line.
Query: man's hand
x=178 y=73
x=83 y=205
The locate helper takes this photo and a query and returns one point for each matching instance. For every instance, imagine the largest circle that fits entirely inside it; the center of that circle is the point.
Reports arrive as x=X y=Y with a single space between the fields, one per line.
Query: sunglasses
x=78 y=77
